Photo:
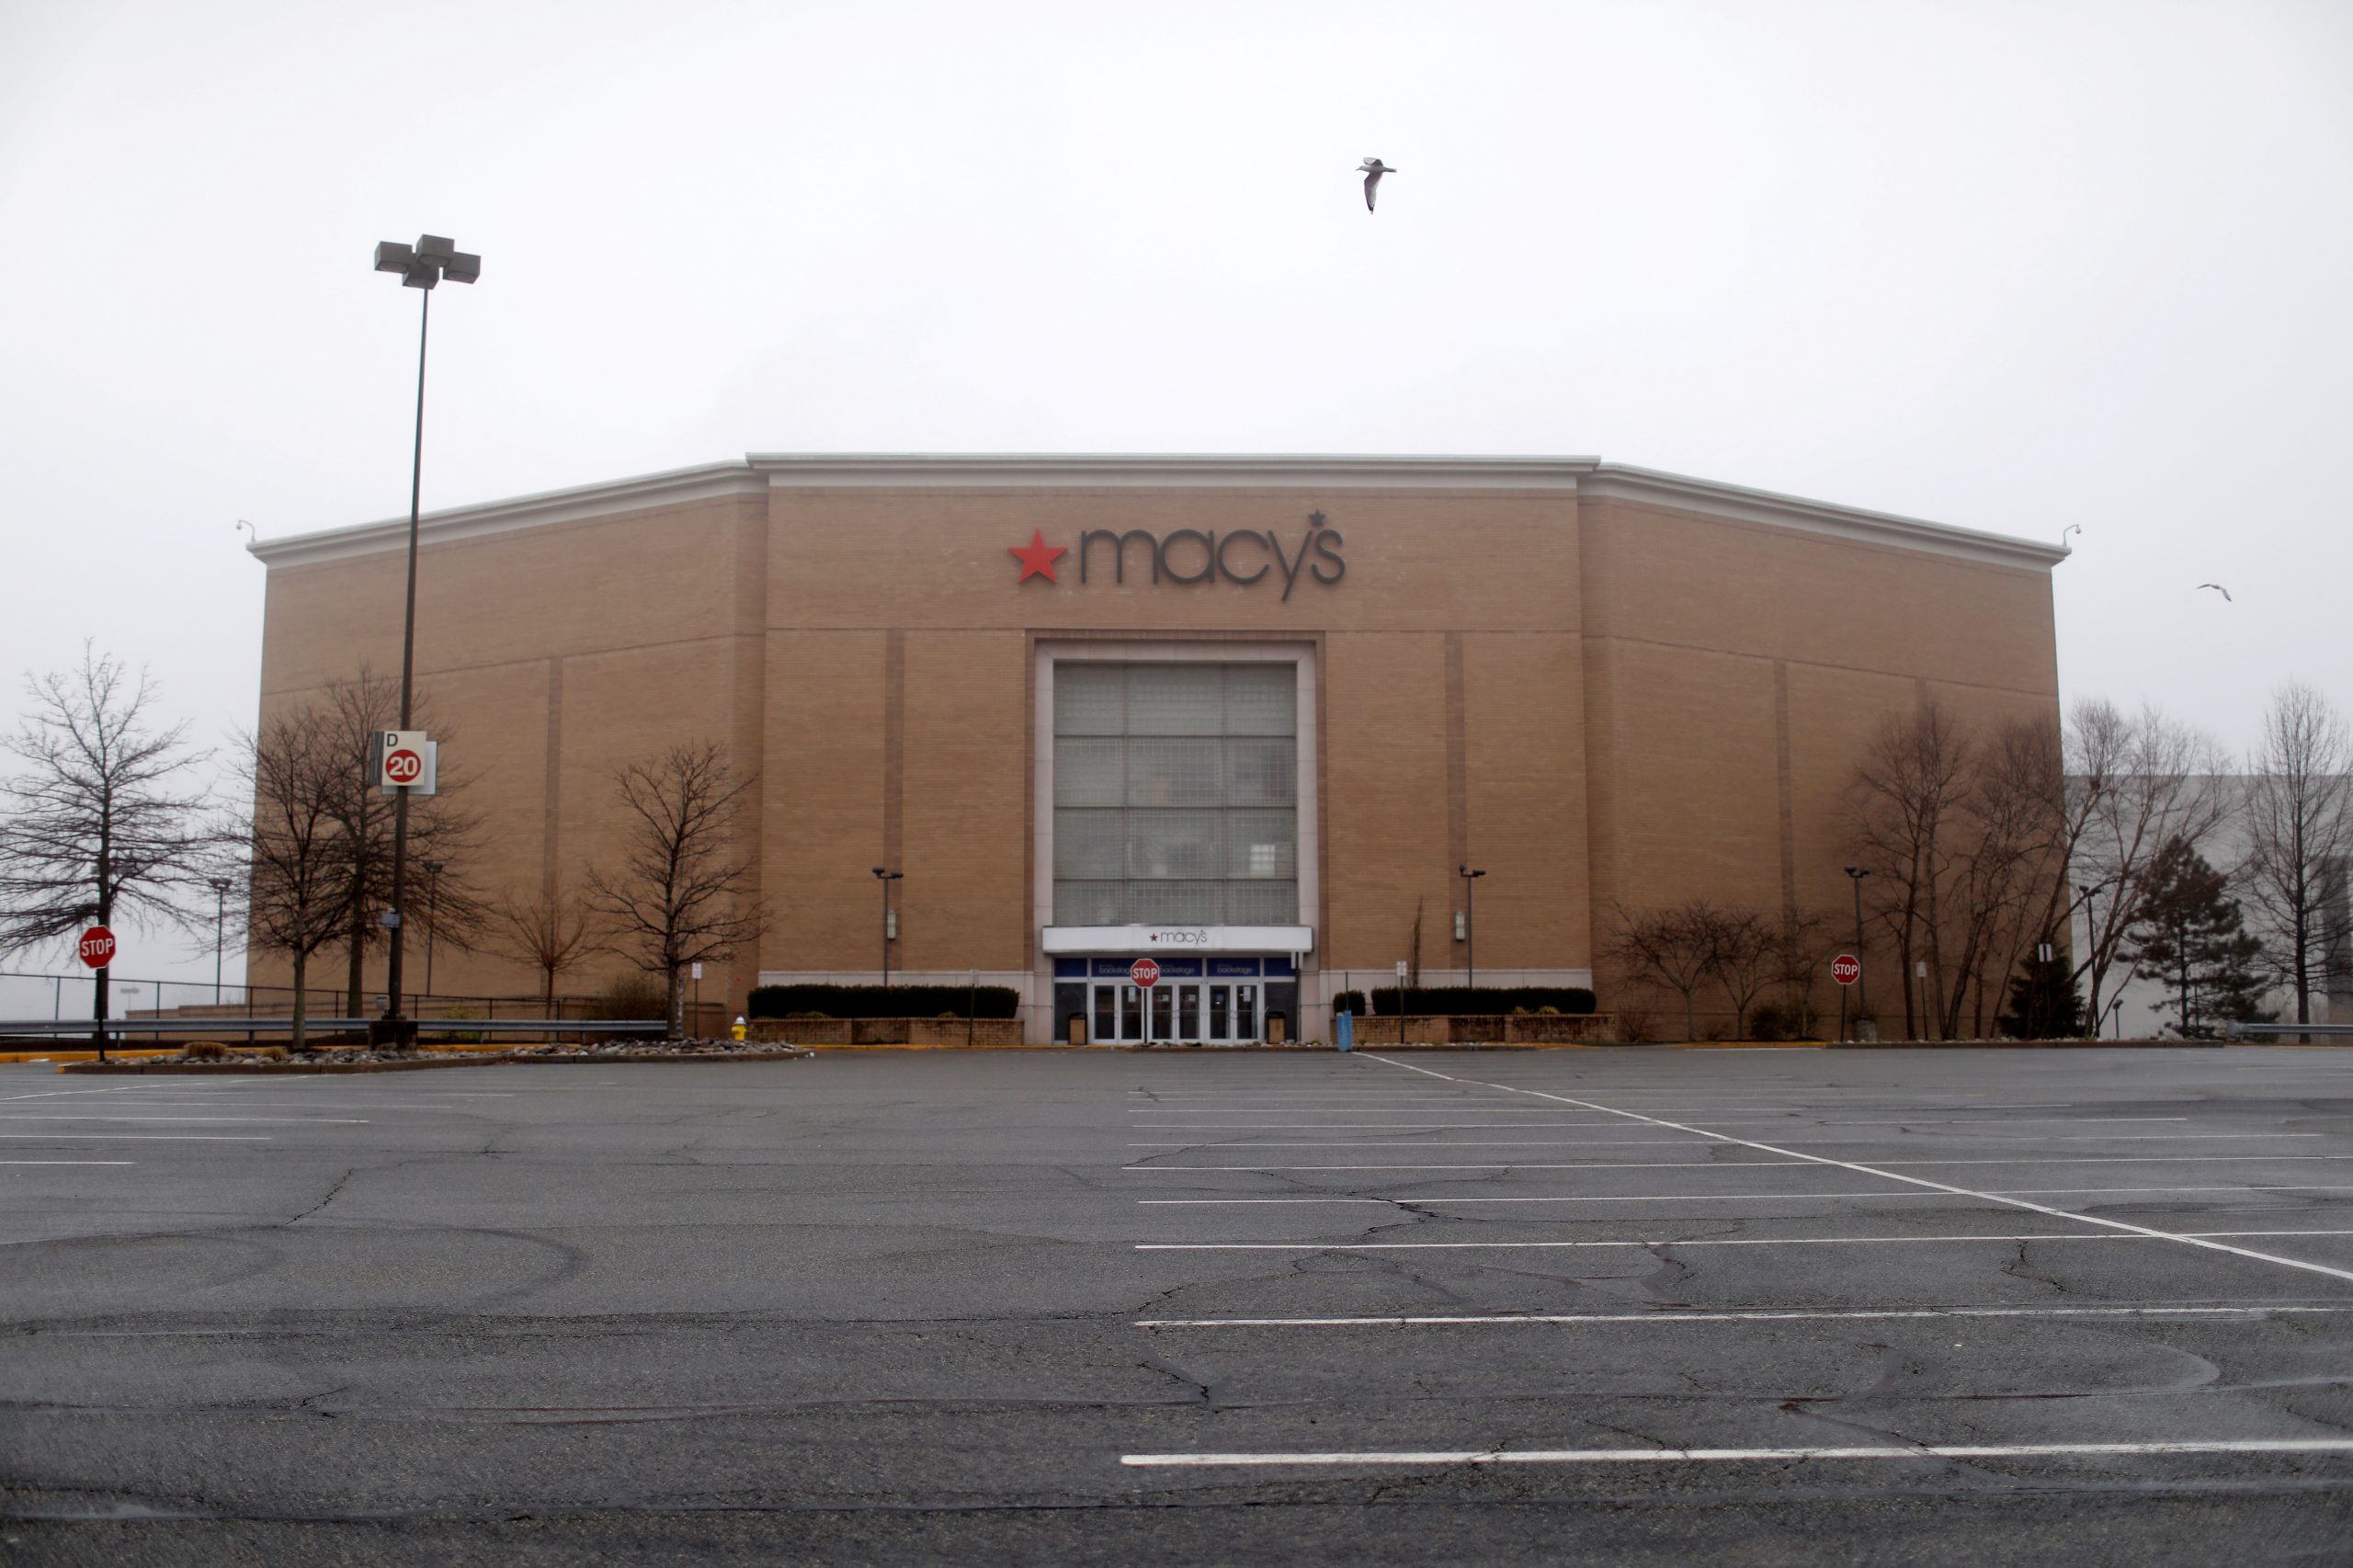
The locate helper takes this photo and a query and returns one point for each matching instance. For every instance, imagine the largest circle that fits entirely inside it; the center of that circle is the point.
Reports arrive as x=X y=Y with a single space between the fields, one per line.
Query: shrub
x=1430 y=1001
x=206 y=1051
x=630 y=997
x=271 y=1053
x=1349 y=1002
x=825 y=1001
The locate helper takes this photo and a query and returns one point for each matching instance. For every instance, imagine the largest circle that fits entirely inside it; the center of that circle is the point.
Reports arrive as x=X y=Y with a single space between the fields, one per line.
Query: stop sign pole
x=1846 y=968
x=96 y=948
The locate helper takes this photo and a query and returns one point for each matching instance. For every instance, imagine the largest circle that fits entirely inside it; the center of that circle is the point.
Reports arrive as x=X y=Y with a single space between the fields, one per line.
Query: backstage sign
x=1242 y=557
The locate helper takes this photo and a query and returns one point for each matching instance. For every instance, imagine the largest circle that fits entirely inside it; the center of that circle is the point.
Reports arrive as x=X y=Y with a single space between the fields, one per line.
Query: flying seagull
x=2217 y=587
x=1373 y=169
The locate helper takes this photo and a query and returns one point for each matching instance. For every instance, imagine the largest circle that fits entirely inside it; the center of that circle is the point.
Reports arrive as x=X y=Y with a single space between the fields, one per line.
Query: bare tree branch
x=100 y=824
x=545 y=929
x=298 y=884
x=2300 y=840
x=678 y=894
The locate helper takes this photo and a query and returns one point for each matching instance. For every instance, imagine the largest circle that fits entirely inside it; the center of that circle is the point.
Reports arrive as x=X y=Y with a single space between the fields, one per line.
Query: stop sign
x=1144 y=972
x=1846 y=968
x=98 y=946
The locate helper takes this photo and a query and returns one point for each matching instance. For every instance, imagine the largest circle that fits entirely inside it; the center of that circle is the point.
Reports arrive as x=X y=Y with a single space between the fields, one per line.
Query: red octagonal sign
x=1144 y=972
x=98 y=946
x=1846 y=968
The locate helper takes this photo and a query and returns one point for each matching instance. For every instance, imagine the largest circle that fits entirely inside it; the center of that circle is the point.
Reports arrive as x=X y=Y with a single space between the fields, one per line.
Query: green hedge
x=884 y=1001
x=1441 y=1001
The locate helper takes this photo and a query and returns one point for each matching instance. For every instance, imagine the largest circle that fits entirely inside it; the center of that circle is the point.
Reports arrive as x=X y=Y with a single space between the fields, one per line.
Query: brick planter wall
x=1491 y=1028
x=993 y=1032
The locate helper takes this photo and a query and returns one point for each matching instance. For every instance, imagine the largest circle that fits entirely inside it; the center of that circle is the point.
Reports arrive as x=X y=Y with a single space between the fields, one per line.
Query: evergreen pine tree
x=2192 y=941
x=2044 y=1002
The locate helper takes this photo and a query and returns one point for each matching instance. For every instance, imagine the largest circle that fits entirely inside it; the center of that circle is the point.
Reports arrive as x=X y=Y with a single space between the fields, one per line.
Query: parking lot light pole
x=1470 y=922
x=2091 y=940
x=886 y=878
x=421 y=265
x=432 y=916
x=219 y=886
x=1863 y=978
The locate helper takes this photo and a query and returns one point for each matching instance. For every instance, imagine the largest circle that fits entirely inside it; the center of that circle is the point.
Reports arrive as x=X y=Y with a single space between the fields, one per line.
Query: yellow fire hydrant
x=737 y=1030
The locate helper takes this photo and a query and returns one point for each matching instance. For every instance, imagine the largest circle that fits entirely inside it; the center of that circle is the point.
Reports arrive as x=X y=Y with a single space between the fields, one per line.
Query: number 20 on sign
x=403 y=757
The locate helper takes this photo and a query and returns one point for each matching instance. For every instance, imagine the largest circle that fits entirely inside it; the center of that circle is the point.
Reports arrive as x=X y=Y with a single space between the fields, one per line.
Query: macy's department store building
x=1248 y=717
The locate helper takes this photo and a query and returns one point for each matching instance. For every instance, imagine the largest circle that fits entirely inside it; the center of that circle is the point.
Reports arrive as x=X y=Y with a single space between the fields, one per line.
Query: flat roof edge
x=761 y=472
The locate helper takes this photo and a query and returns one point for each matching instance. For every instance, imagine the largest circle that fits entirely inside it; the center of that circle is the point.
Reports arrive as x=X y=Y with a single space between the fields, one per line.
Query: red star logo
x=1036 y=557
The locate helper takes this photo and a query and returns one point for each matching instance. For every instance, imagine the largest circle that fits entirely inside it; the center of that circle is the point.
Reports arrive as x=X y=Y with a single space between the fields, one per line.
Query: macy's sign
x=1242 y=556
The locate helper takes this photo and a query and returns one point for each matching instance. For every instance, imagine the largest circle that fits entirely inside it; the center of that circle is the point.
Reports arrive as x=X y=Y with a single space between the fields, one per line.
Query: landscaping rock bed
x=362 y=1060
x=659 y=1050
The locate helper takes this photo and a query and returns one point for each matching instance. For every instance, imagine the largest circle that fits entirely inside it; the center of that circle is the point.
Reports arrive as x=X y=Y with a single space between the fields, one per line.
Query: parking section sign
x=407 y=759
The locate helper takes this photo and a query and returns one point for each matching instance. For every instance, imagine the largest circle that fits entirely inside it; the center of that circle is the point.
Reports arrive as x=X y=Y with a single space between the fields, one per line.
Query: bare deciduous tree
x=2299 y=836
x=1801 y=950
x=545 y=929
x=2136 y=782
x=1746 y=962
x=299 y=886
x=1673 y=948
x=679 y=895
x=101 y=822
x=1906 y=802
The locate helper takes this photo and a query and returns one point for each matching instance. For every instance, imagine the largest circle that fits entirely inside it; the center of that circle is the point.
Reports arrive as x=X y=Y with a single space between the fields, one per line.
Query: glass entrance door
x=1194 y=1012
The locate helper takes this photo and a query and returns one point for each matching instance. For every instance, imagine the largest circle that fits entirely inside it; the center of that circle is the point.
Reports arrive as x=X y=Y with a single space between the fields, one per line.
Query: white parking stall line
x=1737 y=1165
x=265 y=1104
x=145 y=1137
x=2213 y=1241
x=68 y=1162
x=1382 y=1126
x=1807 y=1119
x=1735 y=1197
x=1736 y=1315
x=1723 y=1241
x=1516 y=1165
x=324 y=1121
x=62 y=1094
x=1415 y=1458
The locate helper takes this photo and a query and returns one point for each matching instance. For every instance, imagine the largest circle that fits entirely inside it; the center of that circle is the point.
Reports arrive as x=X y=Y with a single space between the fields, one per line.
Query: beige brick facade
x=1597 y=683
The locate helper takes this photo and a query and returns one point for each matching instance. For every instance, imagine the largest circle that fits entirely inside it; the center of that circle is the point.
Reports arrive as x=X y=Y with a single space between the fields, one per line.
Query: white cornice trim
x=926 y=470
x=763 y=471
x=675 y=488
x=1619 y=482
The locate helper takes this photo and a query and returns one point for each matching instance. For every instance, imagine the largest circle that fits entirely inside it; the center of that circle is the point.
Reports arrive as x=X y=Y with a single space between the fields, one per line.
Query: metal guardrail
x=2240 y=1031
x=76 y=1028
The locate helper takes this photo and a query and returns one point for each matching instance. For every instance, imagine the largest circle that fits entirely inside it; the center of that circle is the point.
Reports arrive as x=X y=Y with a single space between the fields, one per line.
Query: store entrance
x=1190 y=1012
x=1209 y=999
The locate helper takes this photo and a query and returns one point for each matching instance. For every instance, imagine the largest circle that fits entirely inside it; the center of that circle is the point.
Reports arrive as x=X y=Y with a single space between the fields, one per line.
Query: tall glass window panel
x=1261 y=700
x=1175 y=794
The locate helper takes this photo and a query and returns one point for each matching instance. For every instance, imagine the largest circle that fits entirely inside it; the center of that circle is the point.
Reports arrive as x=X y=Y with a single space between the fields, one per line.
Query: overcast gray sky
x=2004 y=266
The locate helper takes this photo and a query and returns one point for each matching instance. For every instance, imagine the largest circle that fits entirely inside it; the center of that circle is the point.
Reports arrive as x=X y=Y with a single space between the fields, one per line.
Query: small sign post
x=96 y=949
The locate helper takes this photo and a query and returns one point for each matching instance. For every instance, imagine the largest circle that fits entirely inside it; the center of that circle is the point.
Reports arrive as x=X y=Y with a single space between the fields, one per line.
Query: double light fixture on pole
x=890 y=927
x=1470 y=922
x=421 y=265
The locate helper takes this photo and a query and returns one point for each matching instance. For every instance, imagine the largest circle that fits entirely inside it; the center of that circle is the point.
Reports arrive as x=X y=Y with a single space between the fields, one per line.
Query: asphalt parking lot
x=1606 y=1306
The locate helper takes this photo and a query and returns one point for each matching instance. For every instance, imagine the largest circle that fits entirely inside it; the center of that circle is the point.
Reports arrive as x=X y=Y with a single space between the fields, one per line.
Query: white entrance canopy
x=1180 y=938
